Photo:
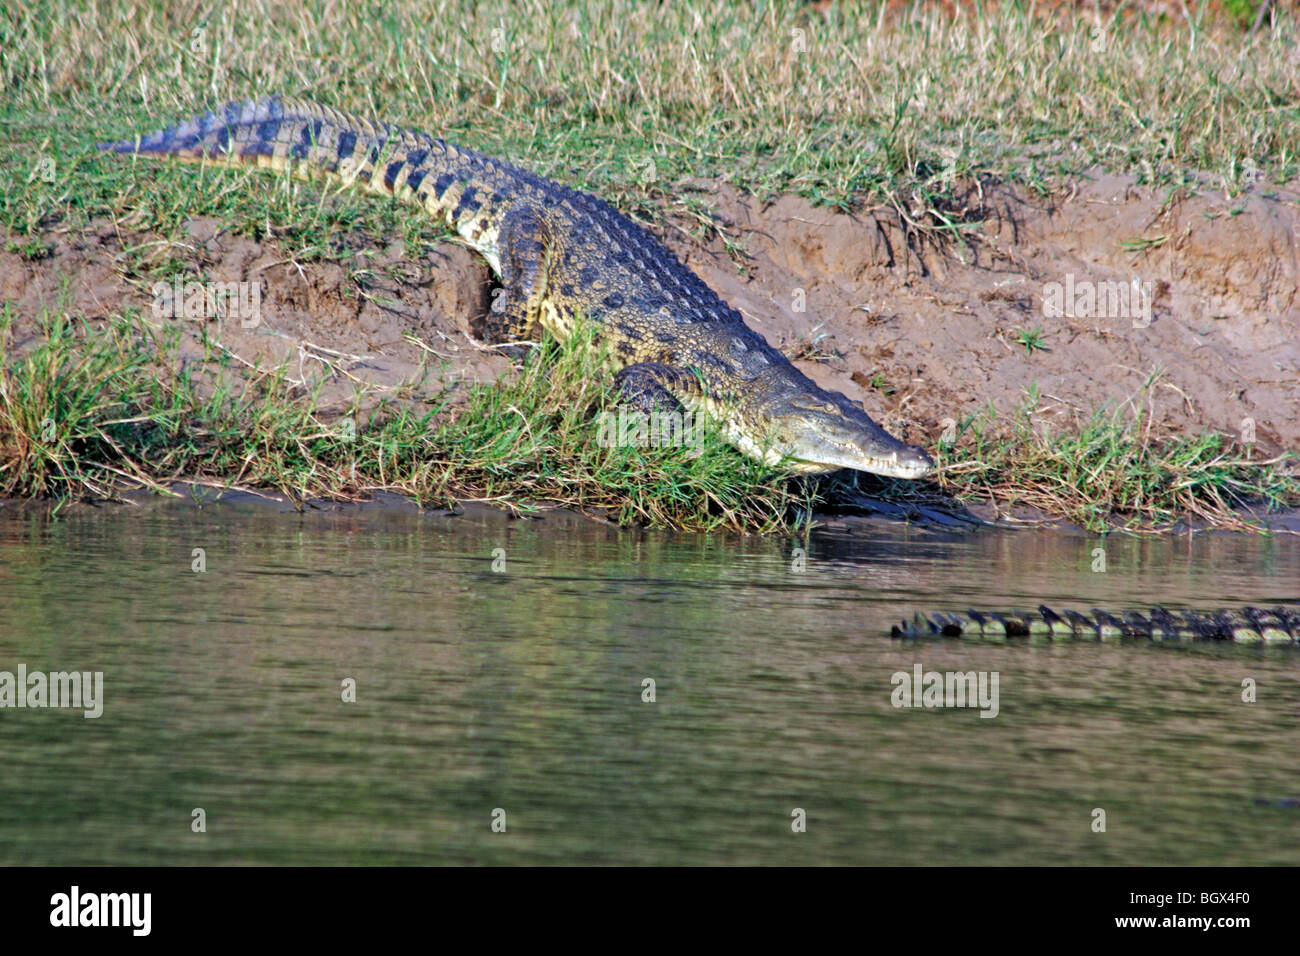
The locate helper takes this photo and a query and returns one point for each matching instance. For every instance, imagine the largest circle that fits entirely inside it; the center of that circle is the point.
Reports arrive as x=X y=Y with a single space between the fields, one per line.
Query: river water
x=502 y=708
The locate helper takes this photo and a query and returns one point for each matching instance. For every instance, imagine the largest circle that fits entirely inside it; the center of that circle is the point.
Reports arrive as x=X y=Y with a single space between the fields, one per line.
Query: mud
x=922 y=333
x=935 y=325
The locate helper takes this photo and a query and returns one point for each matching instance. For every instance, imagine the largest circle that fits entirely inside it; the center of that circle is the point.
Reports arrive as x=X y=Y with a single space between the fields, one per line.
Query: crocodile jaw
x=813 y=448
x=896 y=461
x=909 y=463
x=807 y=430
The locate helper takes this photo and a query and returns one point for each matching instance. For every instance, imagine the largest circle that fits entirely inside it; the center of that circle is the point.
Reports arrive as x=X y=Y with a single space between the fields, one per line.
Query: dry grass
x=1109 y=472
x=842 y=103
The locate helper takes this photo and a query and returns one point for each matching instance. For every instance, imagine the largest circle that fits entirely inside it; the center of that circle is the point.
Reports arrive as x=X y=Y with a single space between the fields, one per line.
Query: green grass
x=65 y=410
x=84 y=410
x=1031 y=339
x=1107 y=472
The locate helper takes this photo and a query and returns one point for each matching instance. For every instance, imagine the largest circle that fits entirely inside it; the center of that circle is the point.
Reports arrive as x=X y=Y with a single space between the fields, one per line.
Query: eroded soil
x=921 y=333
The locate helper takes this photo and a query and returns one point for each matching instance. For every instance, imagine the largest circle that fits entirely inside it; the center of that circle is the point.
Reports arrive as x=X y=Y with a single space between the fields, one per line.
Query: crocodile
x=563 y=256
x=1247 y=625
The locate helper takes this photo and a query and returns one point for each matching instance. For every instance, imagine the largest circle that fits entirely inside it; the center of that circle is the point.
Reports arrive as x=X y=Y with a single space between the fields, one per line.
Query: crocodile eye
x=831 y=407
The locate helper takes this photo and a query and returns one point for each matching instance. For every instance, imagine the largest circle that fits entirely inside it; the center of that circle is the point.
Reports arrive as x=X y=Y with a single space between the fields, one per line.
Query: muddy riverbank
x=1202 y=291
x=1182 y=311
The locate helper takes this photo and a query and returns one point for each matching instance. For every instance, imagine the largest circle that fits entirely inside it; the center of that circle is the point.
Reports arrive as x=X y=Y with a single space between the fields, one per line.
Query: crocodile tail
x=1280 y=625
x=310 y=141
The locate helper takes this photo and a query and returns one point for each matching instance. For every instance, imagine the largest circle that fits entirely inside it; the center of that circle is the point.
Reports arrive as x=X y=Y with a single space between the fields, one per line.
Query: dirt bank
x=1205 y=289
x=938 y=325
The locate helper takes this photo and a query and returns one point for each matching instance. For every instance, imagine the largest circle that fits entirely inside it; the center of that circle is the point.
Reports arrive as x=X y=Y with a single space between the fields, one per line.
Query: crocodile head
x=813 y=431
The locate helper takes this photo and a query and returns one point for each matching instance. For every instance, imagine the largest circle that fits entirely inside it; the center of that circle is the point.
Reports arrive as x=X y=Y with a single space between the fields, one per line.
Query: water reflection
x=521 y=689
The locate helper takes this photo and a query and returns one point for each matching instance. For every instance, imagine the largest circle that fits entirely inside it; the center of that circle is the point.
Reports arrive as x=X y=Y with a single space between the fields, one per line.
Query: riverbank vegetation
x=87 y=411
x=906 y=107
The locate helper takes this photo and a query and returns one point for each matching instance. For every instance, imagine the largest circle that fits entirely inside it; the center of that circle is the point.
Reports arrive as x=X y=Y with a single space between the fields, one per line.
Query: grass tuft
x=1108 y=472
x=69 y=407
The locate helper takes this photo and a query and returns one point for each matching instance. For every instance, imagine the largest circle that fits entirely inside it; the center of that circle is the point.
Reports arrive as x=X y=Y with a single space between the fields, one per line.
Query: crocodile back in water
x=1248 y=625
x=562 y=255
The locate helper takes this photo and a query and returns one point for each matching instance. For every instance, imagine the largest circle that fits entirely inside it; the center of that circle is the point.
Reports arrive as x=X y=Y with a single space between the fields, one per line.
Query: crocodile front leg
x=525 y=246
x=648 y=387
x=660 y=399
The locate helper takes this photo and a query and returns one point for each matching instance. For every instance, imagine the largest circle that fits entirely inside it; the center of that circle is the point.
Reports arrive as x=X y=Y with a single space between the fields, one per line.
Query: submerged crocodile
x=1247 y=625
x=561 y=254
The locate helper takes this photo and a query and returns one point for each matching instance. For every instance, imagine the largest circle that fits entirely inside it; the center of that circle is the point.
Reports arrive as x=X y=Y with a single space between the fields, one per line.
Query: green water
x=521 y=690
